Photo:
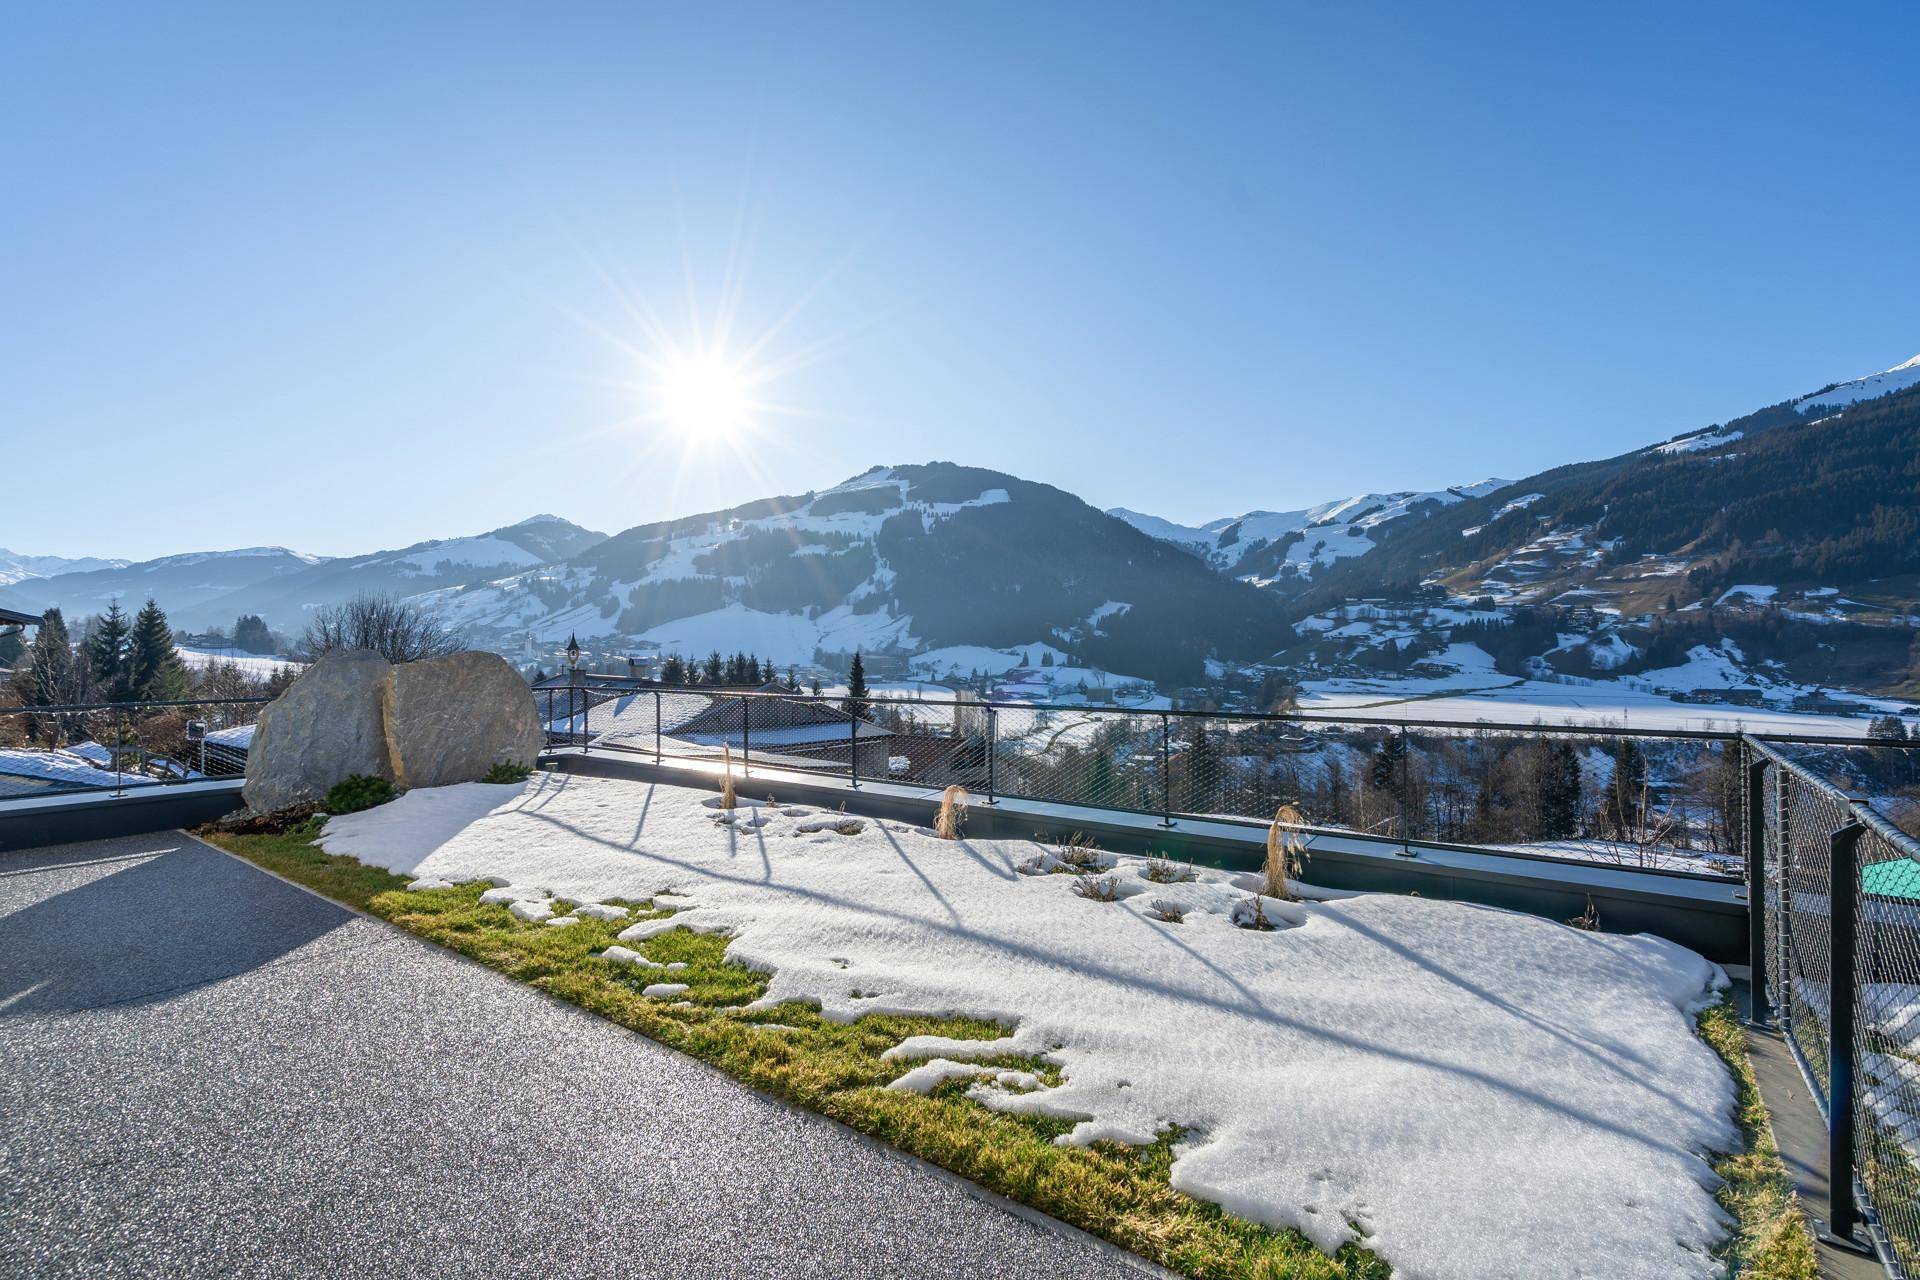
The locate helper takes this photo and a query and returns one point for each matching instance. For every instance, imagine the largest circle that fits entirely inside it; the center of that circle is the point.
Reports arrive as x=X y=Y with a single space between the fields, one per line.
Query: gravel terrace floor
x=209 y=1072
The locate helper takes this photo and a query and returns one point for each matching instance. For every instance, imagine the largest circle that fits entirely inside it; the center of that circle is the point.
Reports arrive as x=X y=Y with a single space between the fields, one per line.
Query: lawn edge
x=1769 y=1238
x=986 y=1195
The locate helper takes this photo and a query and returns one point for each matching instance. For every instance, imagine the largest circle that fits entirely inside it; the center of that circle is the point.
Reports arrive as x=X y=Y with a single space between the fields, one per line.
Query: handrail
x=1863 y=812
x=73 y=707
x=1264 y=717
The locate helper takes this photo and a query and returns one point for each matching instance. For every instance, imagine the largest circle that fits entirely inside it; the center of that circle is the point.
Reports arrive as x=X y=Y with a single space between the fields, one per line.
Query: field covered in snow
x=1470 y=1092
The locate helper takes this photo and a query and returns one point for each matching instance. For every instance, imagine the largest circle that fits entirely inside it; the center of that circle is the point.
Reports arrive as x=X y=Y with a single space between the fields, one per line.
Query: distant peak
x=1870 y=387
x=542 y=518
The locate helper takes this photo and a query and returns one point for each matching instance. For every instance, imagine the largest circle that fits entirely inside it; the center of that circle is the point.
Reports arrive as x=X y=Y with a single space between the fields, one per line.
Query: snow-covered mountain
x=212 y=588
x=1266 y=546
x=1871 y=387
x=17 y=567
x=903 y=558
x=183 y=583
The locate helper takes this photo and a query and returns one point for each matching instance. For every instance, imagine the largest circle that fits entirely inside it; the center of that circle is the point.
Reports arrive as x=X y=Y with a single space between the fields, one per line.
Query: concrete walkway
x=210 y=1072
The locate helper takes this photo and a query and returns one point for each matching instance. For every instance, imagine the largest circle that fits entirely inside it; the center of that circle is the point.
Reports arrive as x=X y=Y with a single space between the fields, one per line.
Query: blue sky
x=349 y=279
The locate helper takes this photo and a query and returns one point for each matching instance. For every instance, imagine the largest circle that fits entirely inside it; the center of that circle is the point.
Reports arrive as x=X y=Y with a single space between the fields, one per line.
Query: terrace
x=1347 y=1066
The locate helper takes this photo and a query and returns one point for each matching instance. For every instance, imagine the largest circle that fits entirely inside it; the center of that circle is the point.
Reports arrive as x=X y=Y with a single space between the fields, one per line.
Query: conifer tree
x=1560 y=786
x=251 y=634
x=108 y=650
x=1629 y=785
x=154 y=671
x=49 y=676
x=857 y=687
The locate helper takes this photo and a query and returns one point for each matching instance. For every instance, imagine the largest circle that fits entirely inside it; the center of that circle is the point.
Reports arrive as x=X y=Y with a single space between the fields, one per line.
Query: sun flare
x=704 y=397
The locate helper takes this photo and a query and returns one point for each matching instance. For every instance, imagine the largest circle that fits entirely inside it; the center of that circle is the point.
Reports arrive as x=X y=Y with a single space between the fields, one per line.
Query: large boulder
x=330 y=724
x=451 y=719
x=416 y=724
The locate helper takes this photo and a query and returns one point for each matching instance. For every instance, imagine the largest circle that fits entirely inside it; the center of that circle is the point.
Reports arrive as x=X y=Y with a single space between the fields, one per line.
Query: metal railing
x=1835 y=939
x=119 y=746
x=1666 y=801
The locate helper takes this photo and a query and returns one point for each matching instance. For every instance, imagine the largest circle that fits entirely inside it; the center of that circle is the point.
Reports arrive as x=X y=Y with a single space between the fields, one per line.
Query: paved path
x=207 y=1071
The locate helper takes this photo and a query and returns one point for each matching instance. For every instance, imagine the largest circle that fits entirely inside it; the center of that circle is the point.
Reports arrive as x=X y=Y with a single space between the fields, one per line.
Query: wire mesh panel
x=824 y=737
x=1809 y=815
x=1100 y=758
x=1776 y=863
x=1887 y=1069
x=117 y=746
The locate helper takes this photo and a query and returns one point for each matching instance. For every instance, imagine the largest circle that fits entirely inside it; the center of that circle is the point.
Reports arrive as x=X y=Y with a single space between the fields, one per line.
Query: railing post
x=1406 y=753
x=1843 y=918
x=746 y=735
x=993 y=742
x=119 y=745
x=853 y=750
x=1166 y=771
x=656 y=726
x=586 y=721
x=1760 y=1013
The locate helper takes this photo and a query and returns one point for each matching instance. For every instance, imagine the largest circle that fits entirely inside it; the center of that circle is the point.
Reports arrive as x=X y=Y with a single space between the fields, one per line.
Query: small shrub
x=1166 y=871
x=508 y=771
x=351 y=795
x=1080 y=854
x=1099 y=888
x=952 y=814
x=1286 y=851
x=1588 y=919
x=1171 y=912
x=1251 y=913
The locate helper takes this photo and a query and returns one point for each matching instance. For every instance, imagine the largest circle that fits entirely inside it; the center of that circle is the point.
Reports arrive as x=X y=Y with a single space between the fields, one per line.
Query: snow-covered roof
x=239 y=736
x=64 y=768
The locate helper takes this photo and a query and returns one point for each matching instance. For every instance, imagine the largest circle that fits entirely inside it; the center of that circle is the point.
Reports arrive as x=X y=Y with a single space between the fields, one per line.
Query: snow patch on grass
x=1473 y=1092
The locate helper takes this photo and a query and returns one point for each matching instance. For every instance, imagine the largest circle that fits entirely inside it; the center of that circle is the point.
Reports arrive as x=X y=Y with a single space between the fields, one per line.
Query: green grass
x=1120 y=1193
x=1770 y=1239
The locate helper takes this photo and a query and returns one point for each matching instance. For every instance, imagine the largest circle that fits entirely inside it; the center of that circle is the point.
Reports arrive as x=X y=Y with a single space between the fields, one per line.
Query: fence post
x=656 y=726
x=586 y=721
x=1166 y=771
x=1843 y=918
x=853 y=750
x=993 y=742
x=1760 y=1014
x=1406 y=755
x=746 y=735
x=119 y=746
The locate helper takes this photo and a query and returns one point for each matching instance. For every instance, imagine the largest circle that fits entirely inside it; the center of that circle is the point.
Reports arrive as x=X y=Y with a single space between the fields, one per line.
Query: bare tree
x=394 y=629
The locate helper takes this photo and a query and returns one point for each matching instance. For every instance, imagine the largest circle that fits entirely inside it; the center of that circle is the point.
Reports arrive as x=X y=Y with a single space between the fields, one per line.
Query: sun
x=704 y=397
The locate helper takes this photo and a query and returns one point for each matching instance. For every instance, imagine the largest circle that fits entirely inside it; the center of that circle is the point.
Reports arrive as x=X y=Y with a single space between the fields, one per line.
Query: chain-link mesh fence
x=116 y=746
x=1669 y=802
x=1887 y=992
x=1841 y=918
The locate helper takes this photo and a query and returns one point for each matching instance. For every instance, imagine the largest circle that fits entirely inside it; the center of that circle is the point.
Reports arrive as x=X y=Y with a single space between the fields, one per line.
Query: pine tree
x=154 y=671
x=1629 y=785
x=1100 y=776
x=1197 y=772
x=857 y=704
x=49 y=676
x=675 y=670
x=715 y=668
x=108 y=649
x=1387 y=758
x=1560 y=787
x=250 y=633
